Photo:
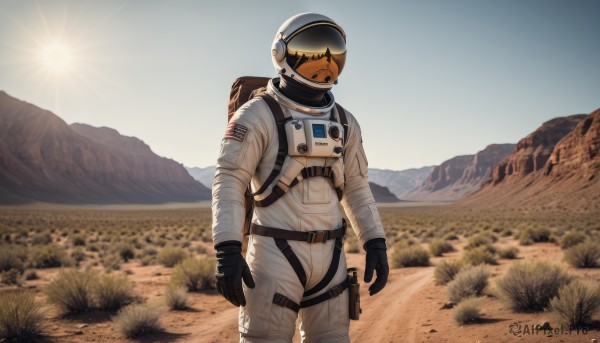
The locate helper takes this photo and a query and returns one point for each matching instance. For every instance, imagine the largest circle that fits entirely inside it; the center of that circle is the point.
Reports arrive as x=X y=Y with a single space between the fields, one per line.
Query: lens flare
x=57 y=57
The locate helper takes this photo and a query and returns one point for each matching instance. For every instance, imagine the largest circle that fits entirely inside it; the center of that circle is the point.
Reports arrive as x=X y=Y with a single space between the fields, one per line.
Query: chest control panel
x=314 y=138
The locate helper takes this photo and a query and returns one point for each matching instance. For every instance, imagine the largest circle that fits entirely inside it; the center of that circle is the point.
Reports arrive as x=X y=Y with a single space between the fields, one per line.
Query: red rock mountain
x=460 y=176
x=534 y=150
x=44 y=159
x=555 y=167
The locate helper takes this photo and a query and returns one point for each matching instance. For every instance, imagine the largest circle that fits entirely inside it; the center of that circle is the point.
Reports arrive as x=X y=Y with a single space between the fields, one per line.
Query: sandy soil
x=407 y=310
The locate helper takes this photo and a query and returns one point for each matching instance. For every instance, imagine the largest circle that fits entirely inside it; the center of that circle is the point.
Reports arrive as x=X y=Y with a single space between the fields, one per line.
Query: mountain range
x=460 y=176
x=42 y=159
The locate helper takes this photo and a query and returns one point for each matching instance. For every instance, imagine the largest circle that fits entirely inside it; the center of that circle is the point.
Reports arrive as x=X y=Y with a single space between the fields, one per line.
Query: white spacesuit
x=296 y=262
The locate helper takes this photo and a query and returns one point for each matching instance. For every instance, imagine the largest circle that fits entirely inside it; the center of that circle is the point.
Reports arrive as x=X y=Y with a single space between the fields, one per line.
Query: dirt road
x=379 y=320
x=383 y=313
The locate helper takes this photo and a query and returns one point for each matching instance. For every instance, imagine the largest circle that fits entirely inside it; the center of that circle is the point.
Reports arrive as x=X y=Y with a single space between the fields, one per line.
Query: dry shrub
x=112 y=292
x=483 y=254
x=49 y=256
x=438 y=247
x=572 y=239
x=9 y=259
x=529 y=285
x=20 y=318
x=577 y=302
x=534 y=235
x=411 y=256
x=469 y=282
x=111 y=262
x=176 y=297
x=138 y=320
x=78 y=240
x=71 y=291
x=170 y=256
x=584 y=255
x=195 y=273
x=41 y=239
x=509 y=253
x=467 y=311
x=11 y=277
x=479 y=240
x=125 y=251
x=445 y=271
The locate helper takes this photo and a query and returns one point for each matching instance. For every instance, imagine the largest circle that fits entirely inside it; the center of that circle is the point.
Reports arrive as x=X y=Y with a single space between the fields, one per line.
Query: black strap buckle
x=317 y=236
x=337 y=290
x=283 y=301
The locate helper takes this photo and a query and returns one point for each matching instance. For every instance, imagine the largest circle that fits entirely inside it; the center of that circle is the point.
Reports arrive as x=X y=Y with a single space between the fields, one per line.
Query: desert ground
x=128 y=242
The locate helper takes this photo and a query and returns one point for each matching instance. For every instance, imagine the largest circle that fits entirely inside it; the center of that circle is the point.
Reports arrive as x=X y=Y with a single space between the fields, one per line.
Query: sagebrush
x=469 y=282
x=21 y=319
x=577 y=302
x=529 y=285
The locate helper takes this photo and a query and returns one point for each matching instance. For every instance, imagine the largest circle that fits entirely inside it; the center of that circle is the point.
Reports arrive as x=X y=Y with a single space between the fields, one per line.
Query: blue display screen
x=319 y=131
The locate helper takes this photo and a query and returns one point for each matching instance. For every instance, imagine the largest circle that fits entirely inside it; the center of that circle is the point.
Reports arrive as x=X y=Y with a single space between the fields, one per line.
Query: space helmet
x=310 y=48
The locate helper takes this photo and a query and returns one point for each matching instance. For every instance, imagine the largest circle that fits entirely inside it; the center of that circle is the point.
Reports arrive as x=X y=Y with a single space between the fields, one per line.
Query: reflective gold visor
x=317 y=53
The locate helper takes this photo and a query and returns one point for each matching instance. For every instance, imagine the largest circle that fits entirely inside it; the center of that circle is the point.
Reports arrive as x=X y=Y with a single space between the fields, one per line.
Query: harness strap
x=309 y=237
x=283 y=301
x=333 y=267
x=282 y=151
x=276 y=193
x=330 y=294
x=287 y=251
x=314 y=171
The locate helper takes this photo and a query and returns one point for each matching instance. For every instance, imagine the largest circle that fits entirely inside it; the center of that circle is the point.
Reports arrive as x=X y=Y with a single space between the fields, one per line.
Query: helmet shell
x=310 y=48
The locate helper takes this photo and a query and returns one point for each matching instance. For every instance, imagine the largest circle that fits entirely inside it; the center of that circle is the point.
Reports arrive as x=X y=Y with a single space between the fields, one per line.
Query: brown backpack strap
x=343 y=120
x=282 y=152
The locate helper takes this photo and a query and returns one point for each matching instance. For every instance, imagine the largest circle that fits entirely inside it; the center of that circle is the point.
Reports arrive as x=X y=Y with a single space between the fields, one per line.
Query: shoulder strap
x=282 y=152
x=343 y=120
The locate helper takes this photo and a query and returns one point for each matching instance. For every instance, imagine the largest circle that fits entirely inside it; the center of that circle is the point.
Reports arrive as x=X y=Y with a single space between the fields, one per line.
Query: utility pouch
x=354 y=294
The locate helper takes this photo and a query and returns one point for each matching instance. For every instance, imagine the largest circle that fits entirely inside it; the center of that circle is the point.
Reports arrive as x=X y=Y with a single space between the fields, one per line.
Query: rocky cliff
x=533 y=151
x=555 y=167
x=44 y=159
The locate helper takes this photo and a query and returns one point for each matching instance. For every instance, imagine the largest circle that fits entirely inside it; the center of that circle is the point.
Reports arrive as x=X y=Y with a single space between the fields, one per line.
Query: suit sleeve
x=241 y=150
x=358 y=201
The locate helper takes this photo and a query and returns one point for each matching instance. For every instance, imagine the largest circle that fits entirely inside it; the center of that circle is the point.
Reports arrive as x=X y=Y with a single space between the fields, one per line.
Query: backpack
x=244 y=89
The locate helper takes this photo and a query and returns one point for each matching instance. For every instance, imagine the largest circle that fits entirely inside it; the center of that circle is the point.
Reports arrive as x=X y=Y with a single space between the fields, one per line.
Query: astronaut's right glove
x=376 y=261
x=231 y=269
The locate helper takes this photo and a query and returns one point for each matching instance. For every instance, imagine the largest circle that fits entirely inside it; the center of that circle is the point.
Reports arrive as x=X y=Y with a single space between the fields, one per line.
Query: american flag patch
x=236 y=131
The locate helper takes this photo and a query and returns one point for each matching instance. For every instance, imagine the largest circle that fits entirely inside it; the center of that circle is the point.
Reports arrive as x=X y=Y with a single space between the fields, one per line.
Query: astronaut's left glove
x=376 y=261
x=231 y=269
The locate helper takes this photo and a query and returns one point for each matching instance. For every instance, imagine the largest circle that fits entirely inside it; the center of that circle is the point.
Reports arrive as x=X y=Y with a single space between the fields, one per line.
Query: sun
x=57 y=57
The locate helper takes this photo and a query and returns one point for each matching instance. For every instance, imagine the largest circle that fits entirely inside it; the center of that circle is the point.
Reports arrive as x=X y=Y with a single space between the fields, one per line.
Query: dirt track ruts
x=384 y=313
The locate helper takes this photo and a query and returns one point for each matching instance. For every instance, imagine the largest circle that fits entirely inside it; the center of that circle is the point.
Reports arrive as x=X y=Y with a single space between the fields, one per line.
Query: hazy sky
x=427 y=80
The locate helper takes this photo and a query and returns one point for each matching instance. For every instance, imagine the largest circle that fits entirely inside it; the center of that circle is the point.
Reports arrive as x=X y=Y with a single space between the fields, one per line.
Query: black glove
x=231 y=269
x=376 y=261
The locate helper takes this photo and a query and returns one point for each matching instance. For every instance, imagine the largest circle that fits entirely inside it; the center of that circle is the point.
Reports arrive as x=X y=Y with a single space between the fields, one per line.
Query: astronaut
x=295 y=264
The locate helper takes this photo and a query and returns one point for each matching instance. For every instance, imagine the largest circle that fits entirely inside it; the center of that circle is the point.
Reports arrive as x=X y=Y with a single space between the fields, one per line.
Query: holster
x=354 y=294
